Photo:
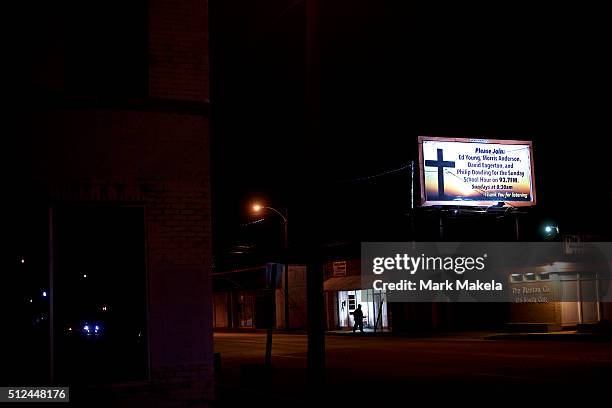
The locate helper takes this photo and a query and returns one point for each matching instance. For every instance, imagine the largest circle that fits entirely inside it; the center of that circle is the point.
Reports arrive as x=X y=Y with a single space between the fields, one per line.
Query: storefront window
x=374 y=306
x=516 y=277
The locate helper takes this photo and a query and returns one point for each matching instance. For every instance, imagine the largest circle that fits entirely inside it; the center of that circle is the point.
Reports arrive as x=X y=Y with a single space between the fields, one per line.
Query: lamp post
x=257 y=208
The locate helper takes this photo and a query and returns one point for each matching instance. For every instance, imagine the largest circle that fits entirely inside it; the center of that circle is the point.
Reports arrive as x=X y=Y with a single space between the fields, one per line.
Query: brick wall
x=178 y=49
x=536 y=313
x=159 y=160
x=153 y=153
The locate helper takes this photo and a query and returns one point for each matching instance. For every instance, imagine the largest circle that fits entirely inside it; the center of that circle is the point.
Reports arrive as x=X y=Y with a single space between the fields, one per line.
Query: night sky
x=391 y=72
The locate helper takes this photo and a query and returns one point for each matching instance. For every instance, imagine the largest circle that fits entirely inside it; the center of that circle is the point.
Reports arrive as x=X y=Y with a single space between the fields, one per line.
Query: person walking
x=358 y=317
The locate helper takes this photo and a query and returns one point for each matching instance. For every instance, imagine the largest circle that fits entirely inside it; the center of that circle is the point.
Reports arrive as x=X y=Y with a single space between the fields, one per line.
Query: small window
x=351 y=302
x=516 y=277
x=544 y=276
x=530 y=276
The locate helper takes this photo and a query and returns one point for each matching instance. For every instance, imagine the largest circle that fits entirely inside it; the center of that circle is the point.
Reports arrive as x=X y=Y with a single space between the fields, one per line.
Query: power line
x=258 y=221
x=373 y=176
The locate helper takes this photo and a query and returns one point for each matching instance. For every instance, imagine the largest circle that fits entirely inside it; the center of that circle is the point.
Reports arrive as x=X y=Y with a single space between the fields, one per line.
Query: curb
x=578 y=337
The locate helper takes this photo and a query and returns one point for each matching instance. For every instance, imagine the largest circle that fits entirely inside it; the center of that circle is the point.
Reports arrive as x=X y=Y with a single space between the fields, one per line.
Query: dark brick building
x=110 y=121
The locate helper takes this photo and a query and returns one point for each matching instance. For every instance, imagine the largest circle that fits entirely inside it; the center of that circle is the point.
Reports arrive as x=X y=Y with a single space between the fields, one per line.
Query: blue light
x=551 y=230
x=86 y=328
x=96 y=328
x=44 y=294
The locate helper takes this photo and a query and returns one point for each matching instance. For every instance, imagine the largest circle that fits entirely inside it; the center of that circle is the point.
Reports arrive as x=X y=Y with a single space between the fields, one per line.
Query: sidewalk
x=366 y=332
x=567 y=335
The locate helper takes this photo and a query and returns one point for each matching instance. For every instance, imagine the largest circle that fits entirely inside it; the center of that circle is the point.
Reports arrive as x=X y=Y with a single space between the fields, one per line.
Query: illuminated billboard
x=476 y=172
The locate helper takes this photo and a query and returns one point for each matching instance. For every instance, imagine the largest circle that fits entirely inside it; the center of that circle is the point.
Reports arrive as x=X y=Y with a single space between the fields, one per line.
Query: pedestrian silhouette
x=358 y=316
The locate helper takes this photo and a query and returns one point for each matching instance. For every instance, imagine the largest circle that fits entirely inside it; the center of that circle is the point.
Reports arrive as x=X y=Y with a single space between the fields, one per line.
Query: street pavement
x=438 y=369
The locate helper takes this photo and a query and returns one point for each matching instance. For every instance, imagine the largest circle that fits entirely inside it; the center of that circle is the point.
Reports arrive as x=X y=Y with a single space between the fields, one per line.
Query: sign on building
x=339 y=268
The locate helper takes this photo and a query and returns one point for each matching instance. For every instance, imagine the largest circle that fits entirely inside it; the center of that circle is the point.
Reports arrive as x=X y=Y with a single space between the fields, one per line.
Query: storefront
x=239 y=298
x=373 y=304
x=345 y=290
x=559 y=296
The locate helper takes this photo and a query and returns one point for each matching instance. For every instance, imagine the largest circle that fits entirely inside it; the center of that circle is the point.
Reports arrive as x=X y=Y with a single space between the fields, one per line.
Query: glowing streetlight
x=258 y=208
x=551 y=231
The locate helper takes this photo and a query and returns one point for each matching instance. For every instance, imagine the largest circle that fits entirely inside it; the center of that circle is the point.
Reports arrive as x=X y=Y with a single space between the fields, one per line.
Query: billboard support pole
x=412 y=185
x=412 y=227
x=516 y=226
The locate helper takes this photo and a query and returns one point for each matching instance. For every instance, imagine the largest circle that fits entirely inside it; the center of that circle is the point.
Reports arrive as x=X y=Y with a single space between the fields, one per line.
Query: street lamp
x=551 y=231
x=257 y=208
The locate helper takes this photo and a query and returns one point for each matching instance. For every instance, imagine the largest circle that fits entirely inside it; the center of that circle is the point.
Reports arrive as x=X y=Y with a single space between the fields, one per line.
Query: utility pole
x=315 y=267
x=51 y=299
x=271 y=277
x=286 y=264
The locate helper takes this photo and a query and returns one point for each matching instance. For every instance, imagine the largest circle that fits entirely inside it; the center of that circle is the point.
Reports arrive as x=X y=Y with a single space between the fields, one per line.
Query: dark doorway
x=24 y=295
x=100 y=294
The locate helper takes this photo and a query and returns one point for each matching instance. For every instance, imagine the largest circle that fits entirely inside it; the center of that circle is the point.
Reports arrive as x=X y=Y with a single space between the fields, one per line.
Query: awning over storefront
x=355 y=282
